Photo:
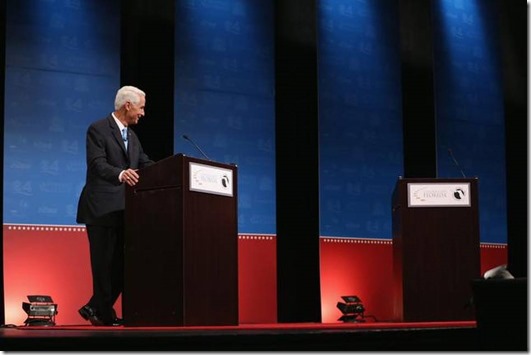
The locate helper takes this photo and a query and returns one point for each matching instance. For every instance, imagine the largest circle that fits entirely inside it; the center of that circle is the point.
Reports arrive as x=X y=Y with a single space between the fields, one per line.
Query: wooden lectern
x=181 y=245
x=435 y=248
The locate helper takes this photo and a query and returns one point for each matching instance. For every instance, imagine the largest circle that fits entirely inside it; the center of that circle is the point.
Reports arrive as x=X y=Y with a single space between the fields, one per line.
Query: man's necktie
x=124 y=136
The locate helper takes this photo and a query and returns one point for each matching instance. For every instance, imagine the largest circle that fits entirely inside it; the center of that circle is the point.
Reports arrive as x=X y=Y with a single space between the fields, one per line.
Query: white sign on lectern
x=438 y=194
x=211 y=179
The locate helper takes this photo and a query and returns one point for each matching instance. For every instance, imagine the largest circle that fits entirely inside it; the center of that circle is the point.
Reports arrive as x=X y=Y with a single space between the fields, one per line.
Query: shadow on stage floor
x=376 y=336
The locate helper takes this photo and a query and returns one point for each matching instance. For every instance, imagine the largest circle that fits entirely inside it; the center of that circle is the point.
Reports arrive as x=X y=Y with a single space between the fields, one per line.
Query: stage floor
x=377 y=336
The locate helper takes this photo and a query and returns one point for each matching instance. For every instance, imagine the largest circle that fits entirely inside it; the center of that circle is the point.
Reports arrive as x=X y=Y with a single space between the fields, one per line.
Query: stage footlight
x=41 y=310
x=352 y=309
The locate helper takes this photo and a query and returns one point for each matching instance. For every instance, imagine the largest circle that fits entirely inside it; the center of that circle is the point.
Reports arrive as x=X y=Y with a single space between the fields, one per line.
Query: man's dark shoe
x=115 y=320
x=89 y=313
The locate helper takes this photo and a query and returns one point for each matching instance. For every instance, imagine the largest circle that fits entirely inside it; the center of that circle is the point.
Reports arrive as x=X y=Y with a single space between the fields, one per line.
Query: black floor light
x=352 y=309
x=41 y=310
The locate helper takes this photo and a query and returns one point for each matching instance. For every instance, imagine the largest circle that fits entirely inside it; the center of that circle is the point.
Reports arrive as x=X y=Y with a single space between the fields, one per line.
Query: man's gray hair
x=127 y=93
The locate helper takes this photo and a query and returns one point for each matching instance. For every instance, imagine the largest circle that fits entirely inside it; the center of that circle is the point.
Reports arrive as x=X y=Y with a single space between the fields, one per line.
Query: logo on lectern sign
x=438 y=194
x=211 y=179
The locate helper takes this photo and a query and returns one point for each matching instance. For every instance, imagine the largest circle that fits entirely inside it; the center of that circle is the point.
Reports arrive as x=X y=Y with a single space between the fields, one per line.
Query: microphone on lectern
x=195 y=145
x=456 y=163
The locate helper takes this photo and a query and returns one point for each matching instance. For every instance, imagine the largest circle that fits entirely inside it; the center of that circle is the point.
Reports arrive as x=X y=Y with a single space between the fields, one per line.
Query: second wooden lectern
x=181 y=247
x=435 y=248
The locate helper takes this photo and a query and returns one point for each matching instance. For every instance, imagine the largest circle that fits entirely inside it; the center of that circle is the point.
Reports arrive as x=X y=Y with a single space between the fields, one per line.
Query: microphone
x=456 y=163
x=195 y=145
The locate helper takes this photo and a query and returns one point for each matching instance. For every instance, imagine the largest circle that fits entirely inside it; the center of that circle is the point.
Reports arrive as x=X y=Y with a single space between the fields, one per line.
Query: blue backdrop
x=360 y=120
x=224 y=97
x=62 y=71
x=469 y=96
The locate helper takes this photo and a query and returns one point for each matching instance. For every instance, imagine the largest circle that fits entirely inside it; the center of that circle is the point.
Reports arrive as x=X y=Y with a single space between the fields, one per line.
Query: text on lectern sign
x=438 y=194
x=210 y=179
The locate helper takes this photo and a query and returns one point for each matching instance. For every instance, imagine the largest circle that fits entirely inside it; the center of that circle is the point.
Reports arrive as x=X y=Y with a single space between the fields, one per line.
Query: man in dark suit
x=114 y=154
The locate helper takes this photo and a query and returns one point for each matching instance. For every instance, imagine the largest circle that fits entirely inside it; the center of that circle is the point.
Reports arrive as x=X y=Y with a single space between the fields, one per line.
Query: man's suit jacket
x=102 y=199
